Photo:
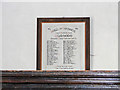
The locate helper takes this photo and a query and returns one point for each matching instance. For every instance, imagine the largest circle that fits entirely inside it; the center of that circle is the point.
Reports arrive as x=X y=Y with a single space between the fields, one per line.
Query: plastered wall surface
x=19 y=32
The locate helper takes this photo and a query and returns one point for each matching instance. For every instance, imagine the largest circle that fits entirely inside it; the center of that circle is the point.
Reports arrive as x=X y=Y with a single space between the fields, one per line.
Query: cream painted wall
x=19 y=32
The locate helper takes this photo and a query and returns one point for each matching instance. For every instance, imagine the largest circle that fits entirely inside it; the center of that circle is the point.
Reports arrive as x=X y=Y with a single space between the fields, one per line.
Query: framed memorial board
x=63 y=44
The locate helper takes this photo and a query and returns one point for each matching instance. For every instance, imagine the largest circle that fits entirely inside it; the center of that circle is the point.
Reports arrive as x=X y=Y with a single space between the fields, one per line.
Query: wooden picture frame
x=40 y=21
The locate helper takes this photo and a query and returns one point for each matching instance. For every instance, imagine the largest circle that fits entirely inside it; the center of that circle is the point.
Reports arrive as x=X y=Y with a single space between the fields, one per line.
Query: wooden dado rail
x=27 y=80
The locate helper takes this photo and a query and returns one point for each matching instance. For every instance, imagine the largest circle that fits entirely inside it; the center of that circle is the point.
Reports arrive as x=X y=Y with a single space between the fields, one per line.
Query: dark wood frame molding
x=63 y=20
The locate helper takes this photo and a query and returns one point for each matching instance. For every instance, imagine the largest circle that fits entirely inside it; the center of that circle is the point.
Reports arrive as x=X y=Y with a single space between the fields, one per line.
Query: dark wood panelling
x=60 y=80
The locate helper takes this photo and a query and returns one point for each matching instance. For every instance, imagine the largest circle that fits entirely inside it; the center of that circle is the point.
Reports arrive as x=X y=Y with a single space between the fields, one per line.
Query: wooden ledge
x=60 y=80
